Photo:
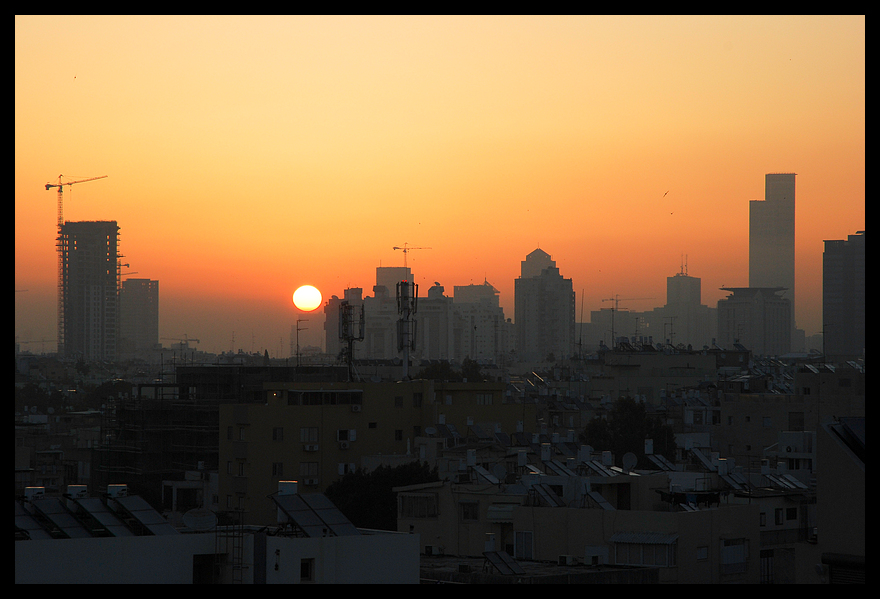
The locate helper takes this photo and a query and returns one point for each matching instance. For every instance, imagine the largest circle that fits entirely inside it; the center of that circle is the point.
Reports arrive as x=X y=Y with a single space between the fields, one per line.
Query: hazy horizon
x=247 y=156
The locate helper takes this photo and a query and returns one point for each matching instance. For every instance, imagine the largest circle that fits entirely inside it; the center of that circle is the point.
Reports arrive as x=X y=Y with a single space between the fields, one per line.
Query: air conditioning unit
x=343 y=445
x=567 y=560
x=310 y=448
x=355 y=407
x=312 y=482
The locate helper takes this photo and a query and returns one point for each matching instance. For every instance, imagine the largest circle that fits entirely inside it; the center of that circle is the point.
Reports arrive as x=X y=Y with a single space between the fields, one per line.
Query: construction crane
x=183 y=342
x=60 y=185
x=406 y=250
x=60 y=245
x=616 y=299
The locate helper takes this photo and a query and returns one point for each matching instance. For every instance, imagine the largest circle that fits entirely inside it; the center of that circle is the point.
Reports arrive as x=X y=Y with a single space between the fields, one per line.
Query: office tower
x=843 y=296
x=544 y=309
x=758 y=318
x=138 y=318
x=89 y=317
x=771 y=237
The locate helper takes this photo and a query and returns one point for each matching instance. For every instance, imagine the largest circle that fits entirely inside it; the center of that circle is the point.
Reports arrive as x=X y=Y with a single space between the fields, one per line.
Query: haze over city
x=248 y=156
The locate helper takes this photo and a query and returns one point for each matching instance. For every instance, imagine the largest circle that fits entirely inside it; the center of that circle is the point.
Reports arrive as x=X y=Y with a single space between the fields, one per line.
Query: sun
x=307 y=298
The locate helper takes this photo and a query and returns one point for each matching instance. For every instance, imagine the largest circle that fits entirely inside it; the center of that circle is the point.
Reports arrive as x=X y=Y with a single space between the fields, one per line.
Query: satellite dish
x=200 y=519
x=430 y=430
x=629 y=461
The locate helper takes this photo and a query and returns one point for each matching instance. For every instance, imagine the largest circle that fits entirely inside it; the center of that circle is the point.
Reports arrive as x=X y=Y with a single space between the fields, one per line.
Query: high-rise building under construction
x=88 y=319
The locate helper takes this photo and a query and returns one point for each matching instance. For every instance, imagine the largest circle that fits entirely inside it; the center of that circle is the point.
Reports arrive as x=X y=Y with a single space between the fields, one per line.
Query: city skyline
x=248 y=156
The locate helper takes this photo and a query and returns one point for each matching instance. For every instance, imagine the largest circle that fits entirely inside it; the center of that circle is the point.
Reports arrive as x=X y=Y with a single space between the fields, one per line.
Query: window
x=278 y=433
x=778 y=515
x=703 y=553
x=795 y=421
x=344 y=434
x=763 y=519
x=417 y=400
x=734 y=556
x=484 y=399
x=307 y=570
x=308 y=470
x=228 y=467
x=417 y=505
x=398 y=401
x=791 y=513
x=241 y=433
x=308 y=434
x=241 y=468
x=469 y=510
x=229 y=433
x=398 y=435
x=277 y=469
x=522 y=544
x=372 y=425
x=645 y=554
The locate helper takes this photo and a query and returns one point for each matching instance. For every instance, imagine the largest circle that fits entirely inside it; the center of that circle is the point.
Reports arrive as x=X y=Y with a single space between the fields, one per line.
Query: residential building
x=841 y=499
x=121 y=539
x=89 y=301
x=758 y=318
x=315 y=433
x=544 y=311
x=139 y=318
x=843 y=297
x=486 y=333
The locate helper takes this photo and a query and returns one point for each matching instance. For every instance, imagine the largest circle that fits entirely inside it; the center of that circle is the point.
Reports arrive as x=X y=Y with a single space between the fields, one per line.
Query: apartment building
x=718 y=545
x=315 y=433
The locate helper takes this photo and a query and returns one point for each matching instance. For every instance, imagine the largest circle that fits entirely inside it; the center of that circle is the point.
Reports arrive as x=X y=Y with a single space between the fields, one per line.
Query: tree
x=625 y=430
x=367 y=498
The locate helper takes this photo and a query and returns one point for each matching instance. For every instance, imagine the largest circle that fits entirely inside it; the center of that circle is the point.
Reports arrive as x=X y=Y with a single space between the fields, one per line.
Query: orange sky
x=250 y=155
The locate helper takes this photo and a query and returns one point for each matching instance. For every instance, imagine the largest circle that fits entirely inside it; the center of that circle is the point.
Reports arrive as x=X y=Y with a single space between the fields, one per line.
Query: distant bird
x=664 y=195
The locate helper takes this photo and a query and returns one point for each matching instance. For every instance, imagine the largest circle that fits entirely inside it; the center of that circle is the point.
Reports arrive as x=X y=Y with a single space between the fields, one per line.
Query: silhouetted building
x=758 y=318
x=544 y=309
x=771 y=237
x=843 y=296
x=139 y=318
x=485 y=332
x=89 y=315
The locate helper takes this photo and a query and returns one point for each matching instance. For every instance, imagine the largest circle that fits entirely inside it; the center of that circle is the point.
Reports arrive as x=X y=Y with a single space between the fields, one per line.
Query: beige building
x=315 y=433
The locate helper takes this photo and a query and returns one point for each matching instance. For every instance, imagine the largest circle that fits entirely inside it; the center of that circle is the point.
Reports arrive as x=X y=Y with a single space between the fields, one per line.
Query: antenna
x=684 y=265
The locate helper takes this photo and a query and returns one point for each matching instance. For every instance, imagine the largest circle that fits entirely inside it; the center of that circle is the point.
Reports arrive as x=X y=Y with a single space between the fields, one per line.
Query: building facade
x=758 y=318
x=544 y=304
x=771 y=237
x=843 y=296
x=138 y=318
x=89 y=297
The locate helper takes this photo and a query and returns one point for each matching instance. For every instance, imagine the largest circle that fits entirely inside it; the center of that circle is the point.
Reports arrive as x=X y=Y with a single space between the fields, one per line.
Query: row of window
x=354 y=397
x=309 y=434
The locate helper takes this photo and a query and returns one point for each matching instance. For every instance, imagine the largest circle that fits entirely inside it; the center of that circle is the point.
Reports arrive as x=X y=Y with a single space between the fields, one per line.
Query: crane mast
x=60 y=247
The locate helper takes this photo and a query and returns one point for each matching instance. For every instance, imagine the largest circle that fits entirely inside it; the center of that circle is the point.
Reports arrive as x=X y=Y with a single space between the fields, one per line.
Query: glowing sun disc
x=307 y=298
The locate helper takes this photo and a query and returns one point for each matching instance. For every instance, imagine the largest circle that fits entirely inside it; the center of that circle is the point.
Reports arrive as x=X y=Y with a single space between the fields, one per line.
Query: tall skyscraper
x=771 y=237
x=138 y=318
x=544 y=306
x=89 y=316
x=843 y=296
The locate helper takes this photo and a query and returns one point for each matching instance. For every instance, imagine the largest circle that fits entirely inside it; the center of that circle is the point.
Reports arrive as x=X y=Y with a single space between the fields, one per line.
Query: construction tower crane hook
x=406 y=250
